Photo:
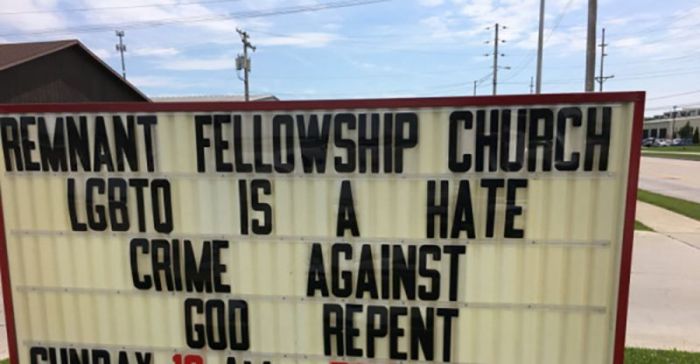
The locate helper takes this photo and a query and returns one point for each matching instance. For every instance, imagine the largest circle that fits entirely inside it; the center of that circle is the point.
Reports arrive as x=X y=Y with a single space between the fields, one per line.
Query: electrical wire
x=107 y=8
x=674 y=95
x=178 y=20
x=557 y=22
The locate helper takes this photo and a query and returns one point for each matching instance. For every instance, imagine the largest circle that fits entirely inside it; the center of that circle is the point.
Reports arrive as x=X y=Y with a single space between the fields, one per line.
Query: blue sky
x=385 y=49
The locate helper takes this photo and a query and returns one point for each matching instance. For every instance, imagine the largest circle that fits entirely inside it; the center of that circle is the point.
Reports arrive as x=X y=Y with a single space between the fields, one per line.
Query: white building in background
x=659 y=126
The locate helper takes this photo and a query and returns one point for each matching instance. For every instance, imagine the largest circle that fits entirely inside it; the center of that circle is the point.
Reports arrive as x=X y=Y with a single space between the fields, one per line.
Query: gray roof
x=213 y=98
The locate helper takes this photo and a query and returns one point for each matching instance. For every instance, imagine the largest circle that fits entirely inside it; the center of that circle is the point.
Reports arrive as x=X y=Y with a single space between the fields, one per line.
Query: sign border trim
x=635 y=97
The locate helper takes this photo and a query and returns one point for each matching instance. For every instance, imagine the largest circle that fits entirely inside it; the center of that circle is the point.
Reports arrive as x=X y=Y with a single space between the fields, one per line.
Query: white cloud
x=383 y=69
x=519 y=17
x=32 y=17
x=155 y=51
x=445 y=27
x=104 y=54
x=190 y=15
x=155 y=81
x=201 y=64
x=306 y=40
x=568 y=40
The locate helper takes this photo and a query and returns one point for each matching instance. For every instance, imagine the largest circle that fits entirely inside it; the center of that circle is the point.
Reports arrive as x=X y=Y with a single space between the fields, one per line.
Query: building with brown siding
x=59 y=71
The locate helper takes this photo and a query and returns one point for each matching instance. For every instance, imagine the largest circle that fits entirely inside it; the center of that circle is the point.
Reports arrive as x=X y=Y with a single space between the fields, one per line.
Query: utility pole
x=673 y=123
x=601 y=79
x=496 y=41
x=475 y=83
x=121 y=48
x=540 y=46
x=531 y=84
x=590 y=45
x=243 y=61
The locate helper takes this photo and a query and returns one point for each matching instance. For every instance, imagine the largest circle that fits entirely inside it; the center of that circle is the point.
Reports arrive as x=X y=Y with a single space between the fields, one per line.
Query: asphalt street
x=672 y=177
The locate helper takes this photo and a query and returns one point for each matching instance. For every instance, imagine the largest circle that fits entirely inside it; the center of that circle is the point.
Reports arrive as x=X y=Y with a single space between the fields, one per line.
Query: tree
x=696 y=136
x=686 y=132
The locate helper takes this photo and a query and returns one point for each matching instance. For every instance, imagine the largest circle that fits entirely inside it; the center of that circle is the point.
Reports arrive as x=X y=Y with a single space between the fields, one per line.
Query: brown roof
x=13 y=54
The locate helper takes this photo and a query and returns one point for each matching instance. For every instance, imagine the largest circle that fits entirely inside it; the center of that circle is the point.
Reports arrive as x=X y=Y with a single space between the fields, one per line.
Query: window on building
x=654 y=133
x=645 y=134
x=662 y=133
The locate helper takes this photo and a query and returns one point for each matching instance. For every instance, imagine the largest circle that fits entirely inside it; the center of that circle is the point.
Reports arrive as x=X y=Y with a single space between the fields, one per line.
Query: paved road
x=672 y=177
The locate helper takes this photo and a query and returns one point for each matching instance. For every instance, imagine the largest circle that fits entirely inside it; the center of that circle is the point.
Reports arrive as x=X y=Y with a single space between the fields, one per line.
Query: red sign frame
x=636 y=97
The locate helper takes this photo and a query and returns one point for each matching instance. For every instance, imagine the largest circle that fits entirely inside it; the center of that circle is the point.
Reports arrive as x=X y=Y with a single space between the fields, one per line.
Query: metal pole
x=245 y=68
x=495 y=59
x=673 y=123
x=540 y=46
x=246 y=61
x=590 y=45
x=475 y=81
x=121 y=48
x=602 y=60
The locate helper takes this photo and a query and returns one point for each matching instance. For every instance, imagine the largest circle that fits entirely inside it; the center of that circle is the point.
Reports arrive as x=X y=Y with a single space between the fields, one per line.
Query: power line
x=177 y=20
x=557 y=22
x=667 y=107
x=106 y=8
x=664 y=22
x=674 y=95
x=478 y=82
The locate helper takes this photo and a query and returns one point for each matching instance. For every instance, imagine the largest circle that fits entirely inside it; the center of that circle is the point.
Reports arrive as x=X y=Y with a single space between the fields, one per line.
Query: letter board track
x=460 y=230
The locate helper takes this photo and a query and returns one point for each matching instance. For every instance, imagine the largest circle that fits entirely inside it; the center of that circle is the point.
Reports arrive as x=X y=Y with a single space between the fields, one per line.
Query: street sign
x=460 y=230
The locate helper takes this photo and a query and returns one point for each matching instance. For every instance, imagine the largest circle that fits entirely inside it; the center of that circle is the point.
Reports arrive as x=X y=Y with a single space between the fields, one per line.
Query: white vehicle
x=662 y=143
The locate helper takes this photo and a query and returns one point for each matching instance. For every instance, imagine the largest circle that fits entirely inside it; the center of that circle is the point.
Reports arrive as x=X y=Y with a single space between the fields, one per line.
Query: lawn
x=641 y=227
x=677 y=205
x=685 y=148
x=653 y=356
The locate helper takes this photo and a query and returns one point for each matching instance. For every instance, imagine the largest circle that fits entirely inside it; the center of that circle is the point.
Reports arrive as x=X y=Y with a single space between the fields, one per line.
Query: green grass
x=654 y=356
x=641 y=227
x=688 y=157
x=685 y=148
x=6 y=361
x=677 y=205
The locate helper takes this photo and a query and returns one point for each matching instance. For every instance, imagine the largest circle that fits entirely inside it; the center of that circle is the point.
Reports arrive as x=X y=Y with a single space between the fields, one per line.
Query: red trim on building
x=628 y=233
